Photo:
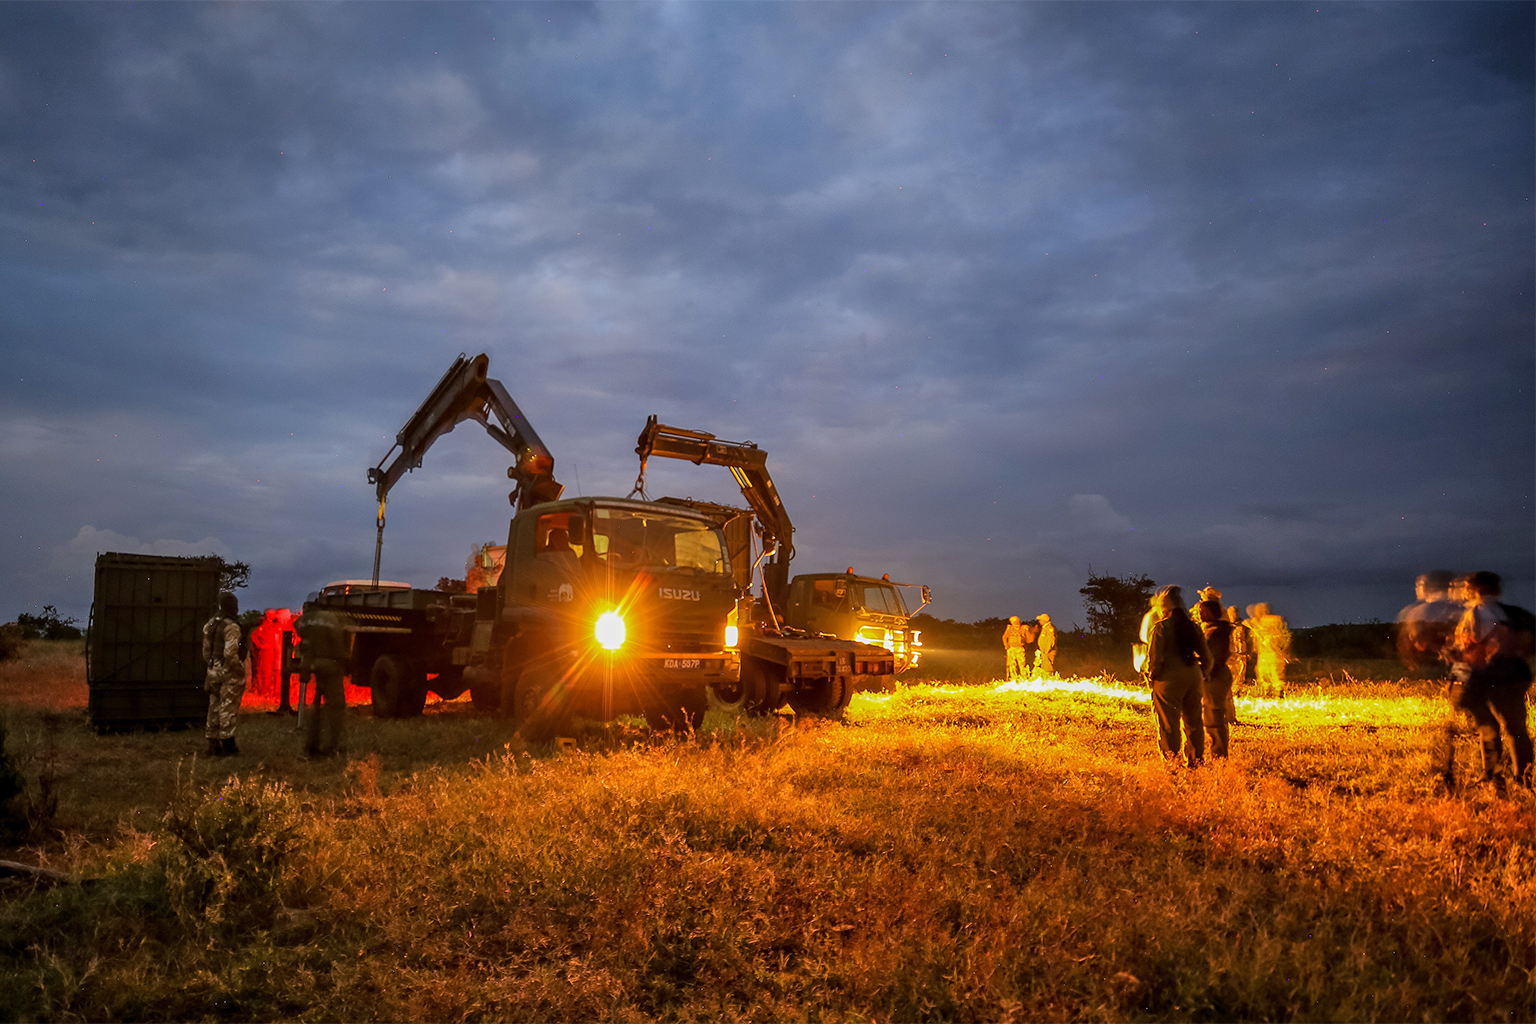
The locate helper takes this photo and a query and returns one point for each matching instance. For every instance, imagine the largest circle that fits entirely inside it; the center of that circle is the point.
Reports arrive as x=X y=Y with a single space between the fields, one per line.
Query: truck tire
x=399 y=689
x=542 y=703
x=763 y=682
x=727 y=698
x=680 y=712
x=824 y=698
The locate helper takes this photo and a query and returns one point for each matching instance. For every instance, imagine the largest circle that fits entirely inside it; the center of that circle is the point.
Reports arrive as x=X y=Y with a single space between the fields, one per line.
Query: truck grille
x=670 y=640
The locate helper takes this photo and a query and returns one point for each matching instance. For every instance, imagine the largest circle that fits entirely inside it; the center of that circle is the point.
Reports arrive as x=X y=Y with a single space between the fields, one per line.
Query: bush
x=48 y=626
x=223 y=869
x=12 y=641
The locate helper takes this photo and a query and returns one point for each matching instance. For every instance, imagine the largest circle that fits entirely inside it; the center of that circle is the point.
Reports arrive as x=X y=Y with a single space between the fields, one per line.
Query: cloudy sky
x=1232 y=293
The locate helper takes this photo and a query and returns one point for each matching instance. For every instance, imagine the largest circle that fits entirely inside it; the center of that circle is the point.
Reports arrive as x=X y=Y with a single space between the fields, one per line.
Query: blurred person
x=288 y=657
x=225 y=679
x=1237 y=663
x=323 y=654
x=1489 y=654
x=1139 y=650
x=266 y=657
x=1424 y=628
x=1045 y=649
x=1177 y=663
x=1031 y=646
x=1272 y=642
x=1216 y=691
x=1013 y=649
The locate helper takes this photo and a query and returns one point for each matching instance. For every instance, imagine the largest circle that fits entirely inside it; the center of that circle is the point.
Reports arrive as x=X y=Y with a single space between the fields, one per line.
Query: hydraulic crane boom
x=749 y=465
x=466 y=393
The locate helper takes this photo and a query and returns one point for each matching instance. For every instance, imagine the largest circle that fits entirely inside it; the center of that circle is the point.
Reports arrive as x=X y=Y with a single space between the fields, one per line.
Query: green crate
x=144 y=652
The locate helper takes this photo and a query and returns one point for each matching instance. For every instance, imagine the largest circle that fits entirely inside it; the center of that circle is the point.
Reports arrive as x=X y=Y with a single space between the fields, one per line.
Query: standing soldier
x=323 y=653
x=1045 y=651
x=1216 y=689
x=1031 y=631
x=1424 y=628
x=1237 y=663
x=1273 y=641
x=225 y=681
x=1490 y=648
x=266 y=644
x=1013 y=649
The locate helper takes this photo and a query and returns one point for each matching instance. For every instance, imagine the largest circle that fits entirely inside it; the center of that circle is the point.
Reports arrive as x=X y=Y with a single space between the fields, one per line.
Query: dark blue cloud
x=1226 y=292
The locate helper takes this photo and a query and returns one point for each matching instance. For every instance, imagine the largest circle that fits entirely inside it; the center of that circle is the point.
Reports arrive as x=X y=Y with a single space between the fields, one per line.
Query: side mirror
x=927 y=595
x=576 y=529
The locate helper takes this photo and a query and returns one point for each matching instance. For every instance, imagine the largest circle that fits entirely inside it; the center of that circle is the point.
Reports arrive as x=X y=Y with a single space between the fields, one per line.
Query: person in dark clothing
x=1216 y=691
x=323 y=650
x=1031 y=646
x=1490 y=665
x=1177 y=663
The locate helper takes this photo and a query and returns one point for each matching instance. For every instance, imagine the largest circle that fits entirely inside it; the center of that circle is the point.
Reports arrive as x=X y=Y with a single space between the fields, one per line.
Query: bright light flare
x=731 y=636
x=610 y=631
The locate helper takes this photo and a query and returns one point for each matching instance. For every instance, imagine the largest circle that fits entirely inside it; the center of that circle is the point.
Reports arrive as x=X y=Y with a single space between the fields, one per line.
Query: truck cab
x=606 y=606
x=855 y=608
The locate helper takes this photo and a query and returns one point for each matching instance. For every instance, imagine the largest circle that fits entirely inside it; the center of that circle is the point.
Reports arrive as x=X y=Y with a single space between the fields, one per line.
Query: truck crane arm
x=464 y=393
x=749 y=465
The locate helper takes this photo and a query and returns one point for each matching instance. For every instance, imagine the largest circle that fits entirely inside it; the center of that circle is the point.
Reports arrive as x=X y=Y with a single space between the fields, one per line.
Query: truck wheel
x=682 y=712
x=824 y=698
x=763 y=683
x=542 y=703
x=398 y=689
x=727 y=698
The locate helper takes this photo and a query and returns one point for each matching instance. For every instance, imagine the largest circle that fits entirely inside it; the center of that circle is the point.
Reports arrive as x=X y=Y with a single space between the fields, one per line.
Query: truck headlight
x=610 y=631
x=730 y=636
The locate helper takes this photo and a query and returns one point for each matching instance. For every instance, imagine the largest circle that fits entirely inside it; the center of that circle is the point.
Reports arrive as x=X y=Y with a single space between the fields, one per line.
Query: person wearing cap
x=1013 y=649
x=1045 y=649
x=1216 y=690
x=1424 y=628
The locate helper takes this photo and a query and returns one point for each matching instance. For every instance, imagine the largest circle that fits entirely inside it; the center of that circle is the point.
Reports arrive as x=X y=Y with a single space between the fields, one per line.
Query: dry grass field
x=957 y=849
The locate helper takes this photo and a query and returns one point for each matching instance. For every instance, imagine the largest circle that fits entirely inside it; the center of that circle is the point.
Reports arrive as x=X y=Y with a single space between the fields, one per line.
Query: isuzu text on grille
x=678 y=595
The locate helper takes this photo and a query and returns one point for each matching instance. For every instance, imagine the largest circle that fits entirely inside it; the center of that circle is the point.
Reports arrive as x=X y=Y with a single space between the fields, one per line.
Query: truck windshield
x=886 y=600
x=644 y=540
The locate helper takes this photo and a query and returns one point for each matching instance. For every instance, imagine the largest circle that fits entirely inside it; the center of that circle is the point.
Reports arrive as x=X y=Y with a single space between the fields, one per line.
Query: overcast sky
x=1231 y=293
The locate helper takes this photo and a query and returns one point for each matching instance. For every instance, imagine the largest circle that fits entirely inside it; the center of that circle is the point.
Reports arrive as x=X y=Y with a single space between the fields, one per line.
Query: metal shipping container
x=144 y=651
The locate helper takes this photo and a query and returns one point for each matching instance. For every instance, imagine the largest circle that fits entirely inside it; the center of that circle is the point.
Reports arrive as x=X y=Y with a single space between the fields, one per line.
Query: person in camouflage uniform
x=225 y=681
x=323 y=654
x=1045 y=649
x=1014 y=639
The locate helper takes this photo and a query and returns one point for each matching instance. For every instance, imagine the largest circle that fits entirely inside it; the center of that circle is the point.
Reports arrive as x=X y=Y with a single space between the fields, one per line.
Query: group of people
x=322 y=644
x=1459 y=628
x=1193 y=663
x=1030 y=648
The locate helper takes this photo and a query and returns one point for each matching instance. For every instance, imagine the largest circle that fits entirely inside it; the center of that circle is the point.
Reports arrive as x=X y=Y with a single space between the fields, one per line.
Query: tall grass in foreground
x=948 y=853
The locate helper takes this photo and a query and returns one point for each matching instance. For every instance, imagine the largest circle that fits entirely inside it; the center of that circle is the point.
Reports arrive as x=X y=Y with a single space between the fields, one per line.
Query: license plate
x=845 y=663
x=682 y=663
